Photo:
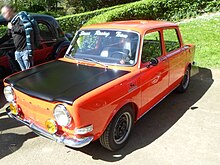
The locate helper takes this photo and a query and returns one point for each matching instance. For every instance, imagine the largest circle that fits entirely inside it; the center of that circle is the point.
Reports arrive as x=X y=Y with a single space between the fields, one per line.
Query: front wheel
x=185 y=82
x=117 y=133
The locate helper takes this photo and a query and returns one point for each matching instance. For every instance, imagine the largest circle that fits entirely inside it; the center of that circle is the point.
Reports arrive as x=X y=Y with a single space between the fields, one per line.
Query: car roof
x=135 y=25
x=37 y=17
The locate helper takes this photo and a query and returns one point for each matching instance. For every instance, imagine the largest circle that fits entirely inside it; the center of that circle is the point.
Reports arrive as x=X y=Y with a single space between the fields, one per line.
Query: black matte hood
x=61 y=81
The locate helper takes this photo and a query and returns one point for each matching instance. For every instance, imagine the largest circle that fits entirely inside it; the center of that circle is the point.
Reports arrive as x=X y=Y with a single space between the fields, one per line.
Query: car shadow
x=157 y=121
x=11 y=142
x=8 y=123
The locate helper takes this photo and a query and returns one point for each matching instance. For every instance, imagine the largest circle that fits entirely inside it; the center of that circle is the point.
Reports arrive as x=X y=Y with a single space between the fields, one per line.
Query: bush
x=3 y=30
x=171 y=10
x=71 y=23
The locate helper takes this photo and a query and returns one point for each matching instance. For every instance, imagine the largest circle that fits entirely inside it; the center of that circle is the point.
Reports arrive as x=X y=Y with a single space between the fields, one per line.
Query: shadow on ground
x=156 y=122
x=8 y=123
x=11 y=142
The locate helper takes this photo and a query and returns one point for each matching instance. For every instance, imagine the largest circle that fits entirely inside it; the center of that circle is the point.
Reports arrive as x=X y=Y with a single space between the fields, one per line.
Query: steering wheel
x=119 y=52
x=124 y=57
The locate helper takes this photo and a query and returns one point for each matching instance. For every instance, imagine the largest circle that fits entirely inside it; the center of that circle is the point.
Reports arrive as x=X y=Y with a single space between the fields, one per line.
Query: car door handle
x=156 y=79
x=132 y=86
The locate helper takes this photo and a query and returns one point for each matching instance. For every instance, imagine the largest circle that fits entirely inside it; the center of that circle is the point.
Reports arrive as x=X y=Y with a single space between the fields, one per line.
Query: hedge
x=171 y=10
x=3 y=30
x=71 y=23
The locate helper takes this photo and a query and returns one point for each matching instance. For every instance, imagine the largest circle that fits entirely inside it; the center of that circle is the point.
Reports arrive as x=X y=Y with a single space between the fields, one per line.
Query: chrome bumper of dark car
x=71 y=142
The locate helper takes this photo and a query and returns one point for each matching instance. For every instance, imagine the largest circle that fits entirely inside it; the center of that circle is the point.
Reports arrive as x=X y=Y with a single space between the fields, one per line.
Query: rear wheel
x=117 y=133
x=185 y=82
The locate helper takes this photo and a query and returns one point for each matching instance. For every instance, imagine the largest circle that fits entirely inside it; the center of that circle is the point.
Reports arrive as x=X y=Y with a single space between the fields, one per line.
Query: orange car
x=112 y=74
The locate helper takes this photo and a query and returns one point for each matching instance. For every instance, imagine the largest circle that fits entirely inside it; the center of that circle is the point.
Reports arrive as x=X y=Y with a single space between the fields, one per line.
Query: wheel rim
x=122 y=128
x=186 y=79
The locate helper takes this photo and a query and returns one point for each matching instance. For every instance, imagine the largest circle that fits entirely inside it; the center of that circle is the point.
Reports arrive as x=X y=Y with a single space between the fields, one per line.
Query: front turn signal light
x=51 y=126
x=14 y=109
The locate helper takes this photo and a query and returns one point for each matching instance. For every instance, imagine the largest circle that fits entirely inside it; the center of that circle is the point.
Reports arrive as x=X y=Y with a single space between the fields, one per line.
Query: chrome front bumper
x=71 y=142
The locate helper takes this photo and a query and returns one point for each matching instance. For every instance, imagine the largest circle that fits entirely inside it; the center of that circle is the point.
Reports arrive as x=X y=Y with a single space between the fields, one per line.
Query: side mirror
x=153 y=62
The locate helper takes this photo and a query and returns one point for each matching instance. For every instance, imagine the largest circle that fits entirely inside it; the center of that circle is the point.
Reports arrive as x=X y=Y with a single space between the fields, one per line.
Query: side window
x=151 y=46
x=3 y=30
x=45 y=33
x=171 y=39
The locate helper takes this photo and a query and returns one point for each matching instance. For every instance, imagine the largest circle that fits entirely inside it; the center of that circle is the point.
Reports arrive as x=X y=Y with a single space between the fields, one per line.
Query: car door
x=154 y=78
x=7 y=48
x=175 y=55
x=47 y=42
x=4 y=49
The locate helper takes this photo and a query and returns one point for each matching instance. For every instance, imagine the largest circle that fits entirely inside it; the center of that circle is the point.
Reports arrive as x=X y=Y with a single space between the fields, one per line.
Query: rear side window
x=45 y=32
x=151 y=46
x=3 y=30
x=171 y=40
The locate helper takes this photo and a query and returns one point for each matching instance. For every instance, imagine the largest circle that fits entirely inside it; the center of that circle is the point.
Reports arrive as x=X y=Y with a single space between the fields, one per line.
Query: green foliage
x=52 y=13
x=71 y=23
x=204 y=32
x=172 y=10
x=90 y=5
x=3 y=30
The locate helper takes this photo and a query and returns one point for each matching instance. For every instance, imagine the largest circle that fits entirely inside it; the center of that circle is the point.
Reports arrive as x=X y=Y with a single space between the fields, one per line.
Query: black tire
x=185 y=82
x=117 y=133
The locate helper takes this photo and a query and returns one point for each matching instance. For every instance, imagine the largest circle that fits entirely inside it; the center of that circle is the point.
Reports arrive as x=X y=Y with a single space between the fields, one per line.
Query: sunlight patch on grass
x=204 y=32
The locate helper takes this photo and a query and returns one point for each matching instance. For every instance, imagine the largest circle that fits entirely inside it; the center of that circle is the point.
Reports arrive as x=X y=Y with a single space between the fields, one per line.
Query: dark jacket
x=18 y=34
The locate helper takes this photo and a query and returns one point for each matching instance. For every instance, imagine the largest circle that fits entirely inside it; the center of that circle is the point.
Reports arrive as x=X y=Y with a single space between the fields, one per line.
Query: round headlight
x=9 y=94
x=61 y=115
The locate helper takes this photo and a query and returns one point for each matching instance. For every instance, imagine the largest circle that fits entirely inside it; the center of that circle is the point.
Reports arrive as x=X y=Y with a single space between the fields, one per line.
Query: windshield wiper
x=95 y=61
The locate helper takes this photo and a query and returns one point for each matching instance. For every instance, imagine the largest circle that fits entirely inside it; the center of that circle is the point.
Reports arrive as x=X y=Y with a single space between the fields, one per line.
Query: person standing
x=16 y=30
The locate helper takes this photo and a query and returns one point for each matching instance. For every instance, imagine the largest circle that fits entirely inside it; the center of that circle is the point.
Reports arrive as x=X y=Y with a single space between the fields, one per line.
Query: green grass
x=204 y=32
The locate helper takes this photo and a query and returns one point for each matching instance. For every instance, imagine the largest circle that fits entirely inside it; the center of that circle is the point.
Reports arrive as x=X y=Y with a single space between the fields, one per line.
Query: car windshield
x=107 y=47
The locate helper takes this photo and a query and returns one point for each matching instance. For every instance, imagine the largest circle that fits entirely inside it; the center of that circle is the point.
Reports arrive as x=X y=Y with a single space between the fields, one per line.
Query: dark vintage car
x=53 y=44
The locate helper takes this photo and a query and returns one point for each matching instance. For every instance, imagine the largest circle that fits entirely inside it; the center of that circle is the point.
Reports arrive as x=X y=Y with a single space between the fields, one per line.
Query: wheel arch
x=57 y=49
x=114 y=141
x=60 y=46
x=130 y=104
x=117 y=109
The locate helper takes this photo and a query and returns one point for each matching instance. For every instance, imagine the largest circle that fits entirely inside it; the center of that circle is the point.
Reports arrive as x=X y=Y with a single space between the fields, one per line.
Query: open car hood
x=61 y=81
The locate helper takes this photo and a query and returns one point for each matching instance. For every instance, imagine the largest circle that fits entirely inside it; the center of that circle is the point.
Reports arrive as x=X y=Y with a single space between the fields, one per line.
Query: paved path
x=184 y=129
